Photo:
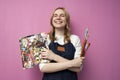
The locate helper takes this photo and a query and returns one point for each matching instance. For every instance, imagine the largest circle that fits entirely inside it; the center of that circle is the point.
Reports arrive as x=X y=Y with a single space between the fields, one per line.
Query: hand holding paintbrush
x=85 y=44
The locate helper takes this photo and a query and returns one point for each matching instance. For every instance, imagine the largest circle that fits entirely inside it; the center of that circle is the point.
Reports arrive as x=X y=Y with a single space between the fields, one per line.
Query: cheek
x=53 y=23
x=65 y=21
x=53 y=20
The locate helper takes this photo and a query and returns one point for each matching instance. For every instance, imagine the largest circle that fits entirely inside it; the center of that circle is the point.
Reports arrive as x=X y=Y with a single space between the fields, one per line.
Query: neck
x=59 y=32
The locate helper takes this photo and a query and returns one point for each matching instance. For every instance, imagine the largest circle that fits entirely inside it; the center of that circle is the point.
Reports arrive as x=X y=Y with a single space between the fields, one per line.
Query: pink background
x=19 y=18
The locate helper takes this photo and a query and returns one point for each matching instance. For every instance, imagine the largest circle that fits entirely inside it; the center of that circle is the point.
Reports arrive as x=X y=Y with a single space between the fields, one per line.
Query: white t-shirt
x=75 y=40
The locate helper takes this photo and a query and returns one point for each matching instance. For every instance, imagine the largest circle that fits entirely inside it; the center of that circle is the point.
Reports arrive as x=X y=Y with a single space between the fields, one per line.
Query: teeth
x=58 y=22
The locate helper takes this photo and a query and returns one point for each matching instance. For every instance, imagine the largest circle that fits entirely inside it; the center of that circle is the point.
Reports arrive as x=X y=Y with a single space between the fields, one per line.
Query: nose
x=58 y=17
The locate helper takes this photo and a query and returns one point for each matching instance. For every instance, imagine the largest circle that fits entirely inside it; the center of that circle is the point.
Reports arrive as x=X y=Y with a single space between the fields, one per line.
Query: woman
x=64 y=50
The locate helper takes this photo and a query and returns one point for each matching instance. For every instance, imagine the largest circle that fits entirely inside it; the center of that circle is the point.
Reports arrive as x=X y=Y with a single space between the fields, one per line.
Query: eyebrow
x=57 y=14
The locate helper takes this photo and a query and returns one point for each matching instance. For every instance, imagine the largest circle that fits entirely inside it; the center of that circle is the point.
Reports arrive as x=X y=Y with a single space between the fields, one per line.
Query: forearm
x=61 y=63
x=54 y=67
x=75 y=62
x=74 y=69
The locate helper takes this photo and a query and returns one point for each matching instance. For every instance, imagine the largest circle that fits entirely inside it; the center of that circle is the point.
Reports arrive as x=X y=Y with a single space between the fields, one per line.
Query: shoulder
x=75 y=40
x=74 y=37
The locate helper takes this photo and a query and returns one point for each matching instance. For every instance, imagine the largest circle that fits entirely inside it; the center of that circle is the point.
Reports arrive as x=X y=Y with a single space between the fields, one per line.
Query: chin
x=59 y=26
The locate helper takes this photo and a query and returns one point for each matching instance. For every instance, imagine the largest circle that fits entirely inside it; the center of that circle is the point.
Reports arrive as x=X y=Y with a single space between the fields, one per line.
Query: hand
x=77 y=62
x=82 y=59
x=47 y=54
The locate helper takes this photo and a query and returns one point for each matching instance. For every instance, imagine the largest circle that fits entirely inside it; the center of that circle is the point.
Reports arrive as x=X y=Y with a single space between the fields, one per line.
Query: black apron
x=68 y=54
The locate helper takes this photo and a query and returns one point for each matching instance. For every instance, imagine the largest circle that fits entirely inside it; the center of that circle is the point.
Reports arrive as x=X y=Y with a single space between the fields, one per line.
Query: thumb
x=82 y=58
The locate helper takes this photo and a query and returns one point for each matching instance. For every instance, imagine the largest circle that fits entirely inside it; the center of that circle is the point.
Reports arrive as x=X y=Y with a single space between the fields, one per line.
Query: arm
x=54 y=67
x=76 y=63
x=62 y=63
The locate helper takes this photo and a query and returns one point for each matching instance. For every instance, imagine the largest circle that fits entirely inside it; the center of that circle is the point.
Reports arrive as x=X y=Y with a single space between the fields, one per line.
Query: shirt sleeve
x=41 y=65
x=75 y=40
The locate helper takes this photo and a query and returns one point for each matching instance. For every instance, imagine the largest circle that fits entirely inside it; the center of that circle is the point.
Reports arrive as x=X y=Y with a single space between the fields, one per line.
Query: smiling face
x=59 y=19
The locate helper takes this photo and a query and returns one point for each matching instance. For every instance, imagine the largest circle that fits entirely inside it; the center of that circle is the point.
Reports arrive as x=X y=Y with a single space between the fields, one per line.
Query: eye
x=62 y=15
x=55 y=15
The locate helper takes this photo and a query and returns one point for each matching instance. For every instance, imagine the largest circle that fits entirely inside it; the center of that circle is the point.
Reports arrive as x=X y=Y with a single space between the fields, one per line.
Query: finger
x=82 y=57
x=45 y=50
x=42 y=50
x=44 y=54
x=44 y=57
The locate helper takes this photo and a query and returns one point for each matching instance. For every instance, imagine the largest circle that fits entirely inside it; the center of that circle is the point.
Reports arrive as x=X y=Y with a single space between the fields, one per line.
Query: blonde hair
x=67 y=27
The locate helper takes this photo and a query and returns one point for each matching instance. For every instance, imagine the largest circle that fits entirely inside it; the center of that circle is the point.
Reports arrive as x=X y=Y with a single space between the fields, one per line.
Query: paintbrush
x=85 y=44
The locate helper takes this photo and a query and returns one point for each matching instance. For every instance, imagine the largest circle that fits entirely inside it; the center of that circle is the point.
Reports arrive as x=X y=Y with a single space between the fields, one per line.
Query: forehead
x=59 y=11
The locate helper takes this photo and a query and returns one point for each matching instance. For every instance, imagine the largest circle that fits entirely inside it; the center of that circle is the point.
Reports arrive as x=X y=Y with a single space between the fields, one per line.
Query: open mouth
x=58 y=21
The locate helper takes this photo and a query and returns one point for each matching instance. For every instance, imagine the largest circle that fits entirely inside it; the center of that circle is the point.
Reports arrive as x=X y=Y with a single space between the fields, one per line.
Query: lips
x=58 y=21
